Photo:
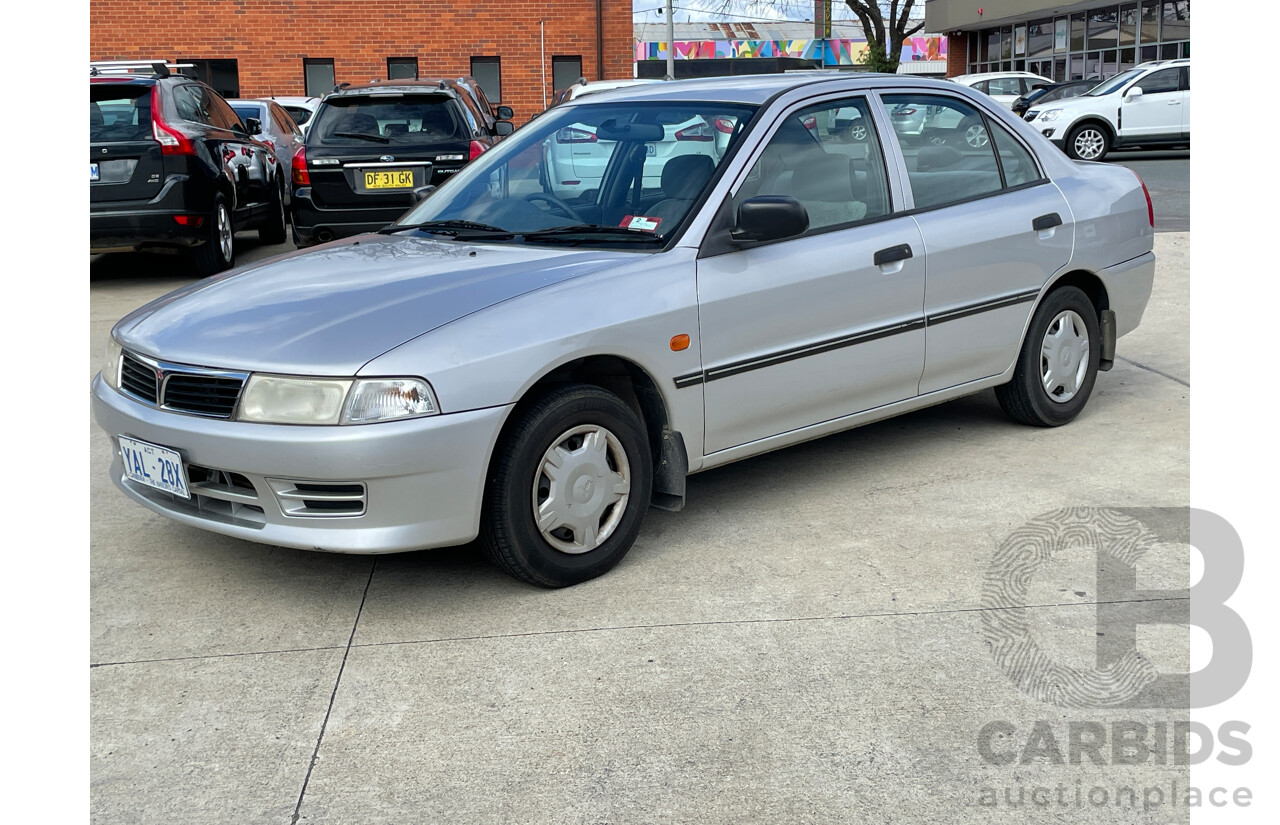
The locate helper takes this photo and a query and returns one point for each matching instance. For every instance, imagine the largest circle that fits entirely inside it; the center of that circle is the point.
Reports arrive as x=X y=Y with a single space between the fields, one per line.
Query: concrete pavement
x=804 y=643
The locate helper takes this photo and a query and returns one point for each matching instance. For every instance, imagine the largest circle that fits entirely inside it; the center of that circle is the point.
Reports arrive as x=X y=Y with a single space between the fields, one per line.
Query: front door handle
x=893 y=254
x=1046 y=222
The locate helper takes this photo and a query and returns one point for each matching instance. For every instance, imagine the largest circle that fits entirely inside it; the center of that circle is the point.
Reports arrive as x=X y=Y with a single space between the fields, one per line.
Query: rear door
x=125 y=160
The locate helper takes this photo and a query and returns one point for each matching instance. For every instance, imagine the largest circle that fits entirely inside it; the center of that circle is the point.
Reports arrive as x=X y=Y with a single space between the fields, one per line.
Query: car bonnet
x=330 y=310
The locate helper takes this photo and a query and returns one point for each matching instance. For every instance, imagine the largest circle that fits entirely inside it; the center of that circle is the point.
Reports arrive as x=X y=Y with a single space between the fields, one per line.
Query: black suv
x=171 y=165
x=372 y=151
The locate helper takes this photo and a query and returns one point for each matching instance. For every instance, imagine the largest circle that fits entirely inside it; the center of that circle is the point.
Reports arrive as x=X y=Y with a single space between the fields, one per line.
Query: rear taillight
x=271 y=144
x=700 y=132
x=298 y=167
x=172 y=141
x=1151 y=210
x=571 y=135
x=907 y=112
x=189 y=220
x=724 y=124
x=810 y=123
x=477 y=149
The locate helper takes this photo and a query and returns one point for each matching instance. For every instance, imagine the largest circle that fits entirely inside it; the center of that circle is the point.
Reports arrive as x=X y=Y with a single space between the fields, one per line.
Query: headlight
x=111 y=364
x=287 y=400
x=1050 y=114
x=384 y=399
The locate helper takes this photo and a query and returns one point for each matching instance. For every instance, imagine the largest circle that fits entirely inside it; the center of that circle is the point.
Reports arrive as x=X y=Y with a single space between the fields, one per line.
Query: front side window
x=607 y=173
x=947 y=148
x=363 y=120
x=829 y=158
x=1165 y=80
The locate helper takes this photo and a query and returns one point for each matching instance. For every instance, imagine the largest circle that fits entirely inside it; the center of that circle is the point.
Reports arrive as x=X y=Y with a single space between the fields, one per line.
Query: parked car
x=373 y=150
x=301 y=109
x=503 y=364
x=1047 y=94
x=589 y=87
x=1149 y=105
x=1005 y=87
x=171 y=165
x=276 y=129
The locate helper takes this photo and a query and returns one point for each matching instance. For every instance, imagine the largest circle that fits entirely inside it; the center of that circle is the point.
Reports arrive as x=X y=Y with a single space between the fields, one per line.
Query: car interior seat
x=683 y=177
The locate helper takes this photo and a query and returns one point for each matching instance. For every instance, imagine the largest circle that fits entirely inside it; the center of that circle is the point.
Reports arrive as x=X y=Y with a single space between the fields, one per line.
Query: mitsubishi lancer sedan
x=536 y=365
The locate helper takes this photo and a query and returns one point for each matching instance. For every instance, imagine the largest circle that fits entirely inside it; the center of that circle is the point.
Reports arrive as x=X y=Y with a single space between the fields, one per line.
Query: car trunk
x=125 y=160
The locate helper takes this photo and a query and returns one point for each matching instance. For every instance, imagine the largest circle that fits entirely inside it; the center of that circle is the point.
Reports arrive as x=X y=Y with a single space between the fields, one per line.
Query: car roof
x=431 y=84
x=293 y=101
x=757 y=89
x=993 y=75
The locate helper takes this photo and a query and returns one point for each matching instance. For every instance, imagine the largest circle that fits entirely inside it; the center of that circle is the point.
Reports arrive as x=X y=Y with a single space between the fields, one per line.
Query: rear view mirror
x=770 y=218
x=612 y=130
x=503 y=128
x=253 y=126
x=505 y=113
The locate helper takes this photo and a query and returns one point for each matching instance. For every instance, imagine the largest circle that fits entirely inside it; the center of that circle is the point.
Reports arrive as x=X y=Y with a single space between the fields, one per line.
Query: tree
x=886 y=26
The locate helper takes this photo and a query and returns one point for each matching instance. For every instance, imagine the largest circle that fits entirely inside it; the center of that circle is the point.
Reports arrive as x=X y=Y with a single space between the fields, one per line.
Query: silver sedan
x=532 y=364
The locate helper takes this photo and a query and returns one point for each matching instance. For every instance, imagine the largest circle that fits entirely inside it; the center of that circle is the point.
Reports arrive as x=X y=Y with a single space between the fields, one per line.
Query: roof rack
x=158 y=68
x=344 y=84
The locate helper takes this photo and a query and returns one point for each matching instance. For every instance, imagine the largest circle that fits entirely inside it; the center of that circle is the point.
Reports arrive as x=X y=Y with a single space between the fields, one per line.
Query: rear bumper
x=315 y=224
x=1128 y=288
x=138 y=223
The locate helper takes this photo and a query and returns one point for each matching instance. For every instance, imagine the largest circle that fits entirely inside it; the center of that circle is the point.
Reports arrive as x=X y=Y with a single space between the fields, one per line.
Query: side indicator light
x=679 y=342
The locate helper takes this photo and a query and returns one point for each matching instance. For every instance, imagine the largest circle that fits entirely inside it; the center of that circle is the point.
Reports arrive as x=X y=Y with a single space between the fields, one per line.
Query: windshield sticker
x=641 y=222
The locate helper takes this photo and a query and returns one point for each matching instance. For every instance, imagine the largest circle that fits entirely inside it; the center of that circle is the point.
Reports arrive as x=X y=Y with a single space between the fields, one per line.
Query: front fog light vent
x=319 y=499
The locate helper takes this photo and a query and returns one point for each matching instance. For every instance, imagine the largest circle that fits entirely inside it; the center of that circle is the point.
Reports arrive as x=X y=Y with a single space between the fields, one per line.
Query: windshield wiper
x=363 y=136
x=568 y=233
x=457 y=228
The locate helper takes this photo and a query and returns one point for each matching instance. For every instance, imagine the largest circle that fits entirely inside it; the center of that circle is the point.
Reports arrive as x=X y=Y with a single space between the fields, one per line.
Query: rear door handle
x=893 y=254
x=1046 y=222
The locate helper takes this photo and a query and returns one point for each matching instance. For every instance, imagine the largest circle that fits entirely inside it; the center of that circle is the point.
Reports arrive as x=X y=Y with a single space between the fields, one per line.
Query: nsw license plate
x=650 y=150
x=93 y=172
x=389 y=179
x=154 y=466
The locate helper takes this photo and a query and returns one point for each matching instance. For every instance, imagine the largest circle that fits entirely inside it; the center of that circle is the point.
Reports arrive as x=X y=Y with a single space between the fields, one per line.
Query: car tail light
x=810 y=123
x=907 y=112
x=700 y=132
x=271 y=144
x=1151 y=210
x=477 y=149
x=172 y=141
x=189 y=220
x=298 y=167
x=724 y=124
x=571 y=135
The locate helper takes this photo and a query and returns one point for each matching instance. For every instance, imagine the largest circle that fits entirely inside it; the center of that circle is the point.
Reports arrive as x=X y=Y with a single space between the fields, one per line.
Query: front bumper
x=423 y=478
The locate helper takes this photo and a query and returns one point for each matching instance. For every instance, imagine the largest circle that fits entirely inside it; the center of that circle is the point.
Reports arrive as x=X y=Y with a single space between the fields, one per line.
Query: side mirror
x=503 y=128
x=253 y=126
x=422 y=192
x=770 y=218
x=1134 y=93
x=505 y=113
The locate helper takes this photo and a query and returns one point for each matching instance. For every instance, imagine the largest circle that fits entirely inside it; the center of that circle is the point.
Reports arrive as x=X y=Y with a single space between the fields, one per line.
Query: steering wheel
x=564 y=208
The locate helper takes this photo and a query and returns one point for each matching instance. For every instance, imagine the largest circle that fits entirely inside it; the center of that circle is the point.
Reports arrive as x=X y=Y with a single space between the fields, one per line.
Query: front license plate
x=154 y=466
x=93 y=172
x=389 y=179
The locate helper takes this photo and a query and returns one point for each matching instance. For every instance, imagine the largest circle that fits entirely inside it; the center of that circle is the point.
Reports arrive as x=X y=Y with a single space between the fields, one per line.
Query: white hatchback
x=1005 y=87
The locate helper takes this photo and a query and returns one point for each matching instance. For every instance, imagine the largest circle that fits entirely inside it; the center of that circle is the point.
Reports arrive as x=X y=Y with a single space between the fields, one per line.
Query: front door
x=1159 y=111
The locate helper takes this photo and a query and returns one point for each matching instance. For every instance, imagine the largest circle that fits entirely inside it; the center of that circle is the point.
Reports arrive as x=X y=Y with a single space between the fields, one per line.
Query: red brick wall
x=957 y=54
x=270 y=38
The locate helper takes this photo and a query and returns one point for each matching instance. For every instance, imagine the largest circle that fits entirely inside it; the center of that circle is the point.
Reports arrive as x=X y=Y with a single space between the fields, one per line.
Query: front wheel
x=1058 y=364
x=1088 y=142
x=568 y=488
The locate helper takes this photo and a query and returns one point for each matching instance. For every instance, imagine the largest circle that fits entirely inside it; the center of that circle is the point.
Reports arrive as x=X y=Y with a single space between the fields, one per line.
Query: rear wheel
x=218 y=250
x=275 y=230
x=568 y=488
x=1058 y=364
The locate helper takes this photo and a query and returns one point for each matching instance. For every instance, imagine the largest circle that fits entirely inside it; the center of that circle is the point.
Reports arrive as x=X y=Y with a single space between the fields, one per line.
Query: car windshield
x=1114 y=83
x=387 y=118
x=597 y=173
x=119 y=112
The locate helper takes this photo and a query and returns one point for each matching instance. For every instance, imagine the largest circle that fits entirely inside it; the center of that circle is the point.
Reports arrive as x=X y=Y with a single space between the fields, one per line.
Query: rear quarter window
x=119 y=113
x=403 y=120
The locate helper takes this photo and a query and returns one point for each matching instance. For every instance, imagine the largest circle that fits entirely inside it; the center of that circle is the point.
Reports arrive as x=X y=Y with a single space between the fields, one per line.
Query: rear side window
x=407 y=119
x=946 y=146
x=118 y=112
x=299 y=114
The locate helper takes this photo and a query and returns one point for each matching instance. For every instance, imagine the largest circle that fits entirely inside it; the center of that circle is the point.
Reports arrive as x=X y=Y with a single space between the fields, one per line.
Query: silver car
x=277 y=129
x=503 y=364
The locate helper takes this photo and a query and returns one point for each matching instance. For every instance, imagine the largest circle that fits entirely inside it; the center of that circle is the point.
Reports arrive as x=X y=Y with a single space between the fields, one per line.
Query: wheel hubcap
x=224 y=233
x=1089 y=144
x=1064 y=357
x=859 y=132
x=976 y=136
x=581 y=489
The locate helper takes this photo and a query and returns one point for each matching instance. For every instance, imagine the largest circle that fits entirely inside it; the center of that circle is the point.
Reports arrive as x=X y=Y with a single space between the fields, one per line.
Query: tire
x=975 y=133
x=276 y=229
x=218 y=252
x=1058 y=365
x=600 y=446
x=1088 y=141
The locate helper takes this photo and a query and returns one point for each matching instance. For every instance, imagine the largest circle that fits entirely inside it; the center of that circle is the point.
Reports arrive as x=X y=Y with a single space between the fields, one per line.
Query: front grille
x=138 y=379
x=202 y=394
x=216 y=495
x=181 y=387
x=319 y=499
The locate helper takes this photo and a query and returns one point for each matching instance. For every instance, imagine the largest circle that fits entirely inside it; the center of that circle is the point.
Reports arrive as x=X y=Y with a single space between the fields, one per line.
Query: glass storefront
x=1097 y=43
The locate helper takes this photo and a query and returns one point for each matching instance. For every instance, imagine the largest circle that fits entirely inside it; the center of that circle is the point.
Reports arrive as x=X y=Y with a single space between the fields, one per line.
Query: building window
x=402 y=68
x=1103 y=29
x=1077 y=33
x=1176 y=22
x=488 y=73
x=565 y=71
x=1150 y=21
x=1040 y=38
x=1128 y=25
x=317 y=73
x=222 y=75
